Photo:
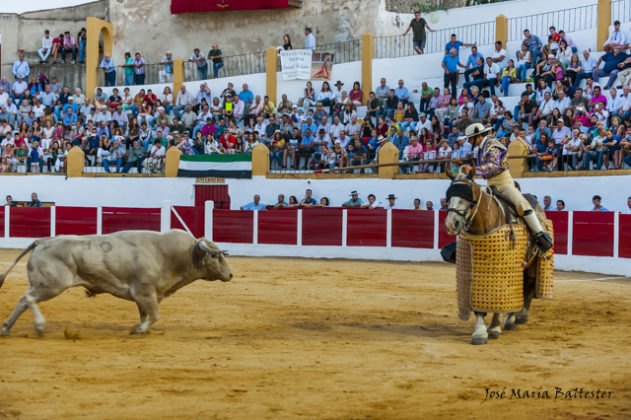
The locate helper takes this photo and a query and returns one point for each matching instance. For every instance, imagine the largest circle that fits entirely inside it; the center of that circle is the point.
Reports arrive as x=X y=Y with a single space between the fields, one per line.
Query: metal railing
x=233 y=65
x=393 y=46
x=344 y=51
x=620 y=10
x=569 y=20
x=151 y=76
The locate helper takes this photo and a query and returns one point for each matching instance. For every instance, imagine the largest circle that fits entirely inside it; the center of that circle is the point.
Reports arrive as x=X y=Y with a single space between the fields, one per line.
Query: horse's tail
x=26 y=251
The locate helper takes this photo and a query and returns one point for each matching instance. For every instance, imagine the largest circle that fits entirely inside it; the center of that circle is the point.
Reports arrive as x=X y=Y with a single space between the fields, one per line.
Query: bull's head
x=212 y=261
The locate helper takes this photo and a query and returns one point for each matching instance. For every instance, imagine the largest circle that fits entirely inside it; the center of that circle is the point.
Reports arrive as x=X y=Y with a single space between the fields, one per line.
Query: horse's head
x=461 y=198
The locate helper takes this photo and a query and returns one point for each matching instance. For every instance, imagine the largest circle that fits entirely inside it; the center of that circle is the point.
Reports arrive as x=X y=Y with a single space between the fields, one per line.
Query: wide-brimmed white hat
x=475 y=129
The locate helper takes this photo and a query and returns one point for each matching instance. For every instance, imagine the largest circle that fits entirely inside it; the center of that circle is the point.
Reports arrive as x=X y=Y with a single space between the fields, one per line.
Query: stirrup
x=543 y=242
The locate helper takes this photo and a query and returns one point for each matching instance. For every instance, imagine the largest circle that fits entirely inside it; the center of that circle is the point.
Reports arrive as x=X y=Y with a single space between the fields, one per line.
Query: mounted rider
x=492 y=164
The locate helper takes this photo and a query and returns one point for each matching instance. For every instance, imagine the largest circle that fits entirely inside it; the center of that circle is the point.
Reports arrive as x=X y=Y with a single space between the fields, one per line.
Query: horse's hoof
x=478 y=340
x=39 y=329
x=521 y=319
x=5 y=332
x=510 y=327
x=494 y=335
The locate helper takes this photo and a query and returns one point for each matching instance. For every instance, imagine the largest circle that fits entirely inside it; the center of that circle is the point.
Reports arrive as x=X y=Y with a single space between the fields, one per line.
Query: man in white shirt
x=260 y=126
x=617 y=37
x=310 y=41
x=423 y=122
x=571 y=149
x=588 y=64
x=337 y=92
x=563 y=102
x=353 y=126
x=4 y=96
x=336 y=128
x=499 y=56
x=625 y=102
x=184 y=98
x=614 y=104
x=391 y=204
x=492 y=74
x=546 y=106
x=155 y=162
x=238 y=108
x=47 y=46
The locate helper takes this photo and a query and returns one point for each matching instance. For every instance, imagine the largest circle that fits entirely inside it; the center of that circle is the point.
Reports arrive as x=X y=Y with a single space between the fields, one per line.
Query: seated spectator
x=34 y=201
x=155 y=162
x=402 y=93
x=499 y=56
x=356 y=95
x=545 y=70
x=426 y=94
x=534 y=45
x=509 y=74
x=374 y=107
x=564 y=53
x=390 y=105
x=308 y=200
x=482 y=111
x=524 y=62
x=611 y=68
x=472 y=62
x=443 y=104
x=69 y=45
x=254 y=205
x=616 y=37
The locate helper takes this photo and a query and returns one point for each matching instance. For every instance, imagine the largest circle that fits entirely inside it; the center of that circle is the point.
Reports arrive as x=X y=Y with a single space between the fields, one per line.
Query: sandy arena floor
x=291 y=338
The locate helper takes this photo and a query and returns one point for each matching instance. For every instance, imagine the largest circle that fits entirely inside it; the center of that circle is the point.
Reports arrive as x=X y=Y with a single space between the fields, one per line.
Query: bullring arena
x=330 y=339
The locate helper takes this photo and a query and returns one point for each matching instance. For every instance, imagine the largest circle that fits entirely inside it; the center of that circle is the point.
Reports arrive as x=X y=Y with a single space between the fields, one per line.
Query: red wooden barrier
x=29 y=222
x=116 y=219
x=234 y=226
x=322 y=226
x=75 y=220
x=366 y=227
x=1 y=222
x=278 y=227
x=413 y=228
x=560 y=224
x=593 y=233
x=624 y=236
x=443 y=237
x=192 y=216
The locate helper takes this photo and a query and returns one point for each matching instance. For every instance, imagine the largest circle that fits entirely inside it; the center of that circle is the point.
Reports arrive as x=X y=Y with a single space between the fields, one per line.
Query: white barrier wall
x=577 y=192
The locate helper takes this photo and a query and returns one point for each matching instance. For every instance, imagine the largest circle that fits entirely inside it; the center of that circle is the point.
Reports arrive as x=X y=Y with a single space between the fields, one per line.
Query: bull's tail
x=26 y=251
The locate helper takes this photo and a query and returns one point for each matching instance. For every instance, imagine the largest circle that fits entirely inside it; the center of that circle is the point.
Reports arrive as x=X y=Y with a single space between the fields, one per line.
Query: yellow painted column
x=178 y=76
x=75 y=162
x=388 y=153
x=95 y=27
x=368 y=53
x=501 y=29
x=604 y=20
x=172 y=160
x=271 y=64
x=260 y=160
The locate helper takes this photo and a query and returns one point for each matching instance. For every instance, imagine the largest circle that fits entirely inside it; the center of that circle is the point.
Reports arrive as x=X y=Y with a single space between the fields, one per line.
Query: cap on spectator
x=169 y=52
x=277 y=131
x=550 y=55
x=354 y=192
x=175 y=132
x=160 y=108
x=338 y=142
x=70 y=98
x=381 y=139
x=422 y=114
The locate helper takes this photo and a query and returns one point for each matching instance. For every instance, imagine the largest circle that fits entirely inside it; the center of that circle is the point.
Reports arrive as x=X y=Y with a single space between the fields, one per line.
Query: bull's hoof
x=494 y=335
x=5 y=332
x=39 y=329
x=478 y=340
x=521 y=319
x=510 y=327
x=138 y=329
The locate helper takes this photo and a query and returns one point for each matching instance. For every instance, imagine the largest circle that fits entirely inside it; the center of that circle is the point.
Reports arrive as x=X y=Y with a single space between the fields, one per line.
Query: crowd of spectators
x=561 y=123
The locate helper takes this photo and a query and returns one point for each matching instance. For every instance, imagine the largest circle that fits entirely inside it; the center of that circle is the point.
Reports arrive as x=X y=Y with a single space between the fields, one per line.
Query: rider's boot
x=542 y=238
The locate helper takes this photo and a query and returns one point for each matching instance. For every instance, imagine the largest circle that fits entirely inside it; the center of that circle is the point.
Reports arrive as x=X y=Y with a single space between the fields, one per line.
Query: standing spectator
x=454 y=43
x=20 y=66
x=560 y=205
x=595 y=201
x=472 y=62
x=429 y=205
x=69 y=45
x=10 y=202
x=109 y=70
x=34 y=201
x=617 y=37
x=553 y=40
x=533 y=43
x=128 y=69
x=202 y=65
x=310 y=41
x=82 y=38
x=391 y=204
x=287 y=42
x=418 y=26
x=166 y=74
x=612 y=60
x=139 y=69
x=308 y=201
x=450 y=66
x=216 y=56
x=47 y=47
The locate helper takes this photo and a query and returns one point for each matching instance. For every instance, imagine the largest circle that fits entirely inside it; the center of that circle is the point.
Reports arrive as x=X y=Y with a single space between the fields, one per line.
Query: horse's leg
x=509 y=323
x=480 y=336
x=530 y=284
x=494 y=330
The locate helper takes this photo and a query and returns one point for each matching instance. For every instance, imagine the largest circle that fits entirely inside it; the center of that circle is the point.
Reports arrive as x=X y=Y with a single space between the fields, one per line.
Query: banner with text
x=191 y=6
x=296 y=64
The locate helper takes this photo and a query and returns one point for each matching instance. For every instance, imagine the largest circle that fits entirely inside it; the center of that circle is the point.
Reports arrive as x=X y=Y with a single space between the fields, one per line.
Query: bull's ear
x=471 y=173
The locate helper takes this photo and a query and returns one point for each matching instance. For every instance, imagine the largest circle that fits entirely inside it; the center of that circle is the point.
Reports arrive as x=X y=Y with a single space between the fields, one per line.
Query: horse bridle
x=464 y=190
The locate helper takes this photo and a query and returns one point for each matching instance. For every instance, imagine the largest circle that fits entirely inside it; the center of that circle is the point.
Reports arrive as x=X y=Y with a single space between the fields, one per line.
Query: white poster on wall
x=296 y=64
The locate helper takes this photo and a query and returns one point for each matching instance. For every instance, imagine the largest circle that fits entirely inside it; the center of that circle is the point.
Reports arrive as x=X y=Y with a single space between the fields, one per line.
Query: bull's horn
x=202 y=245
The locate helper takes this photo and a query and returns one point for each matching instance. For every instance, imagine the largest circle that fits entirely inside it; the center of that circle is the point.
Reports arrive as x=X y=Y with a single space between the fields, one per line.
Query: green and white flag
x=238 y=165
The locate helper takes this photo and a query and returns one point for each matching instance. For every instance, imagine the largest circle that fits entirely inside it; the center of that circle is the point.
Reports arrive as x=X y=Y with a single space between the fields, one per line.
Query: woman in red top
x=57 y=44
x=382 y=127
x=355 y=95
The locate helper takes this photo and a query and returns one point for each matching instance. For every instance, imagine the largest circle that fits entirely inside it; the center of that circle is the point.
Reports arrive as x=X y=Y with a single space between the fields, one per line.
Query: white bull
x=141 y=266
